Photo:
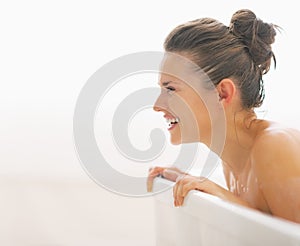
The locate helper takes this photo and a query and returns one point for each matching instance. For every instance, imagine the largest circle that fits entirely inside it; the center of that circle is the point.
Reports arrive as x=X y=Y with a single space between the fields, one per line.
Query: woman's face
x=184 y=102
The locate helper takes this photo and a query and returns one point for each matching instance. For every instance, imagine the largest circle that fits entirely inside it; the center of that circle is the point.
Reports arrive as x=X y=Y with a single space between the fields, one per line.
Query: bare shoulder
x=275 y=160
x=276 y=143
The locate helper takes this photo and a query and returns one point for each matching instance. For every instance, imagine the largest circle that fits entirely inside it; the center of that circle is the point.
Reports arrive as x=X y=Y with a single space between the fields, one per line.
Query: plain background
x=48 y=51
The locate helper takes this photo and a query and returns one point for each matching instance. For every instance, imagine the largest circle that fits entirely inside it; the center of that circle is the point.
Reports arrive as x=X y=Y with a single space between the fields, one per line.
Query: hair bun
x=256 y=35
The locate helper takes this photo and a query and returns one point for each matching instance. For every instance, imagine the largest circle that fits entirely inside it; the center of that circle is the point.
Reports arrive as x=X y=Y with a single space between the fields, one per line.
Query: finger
x=188 y=187
x=177 y=190
x=175 y=187
x=150 y=179
x=153 y=173
x=149 y=184
x=195 y=184
x=180 y=195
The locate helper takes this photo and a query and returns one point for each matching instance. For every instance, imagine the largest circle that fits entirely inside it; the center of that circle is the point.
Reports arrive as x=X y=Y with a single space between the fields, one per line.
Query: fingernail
x=178 y=203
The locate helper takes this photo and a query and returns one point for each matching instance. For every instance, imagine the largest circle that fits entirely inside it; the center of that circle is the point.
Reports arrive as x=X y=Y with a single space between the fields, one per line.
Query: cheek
x=181 y=107
x=186 y=106
x=197 y=107
x=186 y=111
x=203 y=114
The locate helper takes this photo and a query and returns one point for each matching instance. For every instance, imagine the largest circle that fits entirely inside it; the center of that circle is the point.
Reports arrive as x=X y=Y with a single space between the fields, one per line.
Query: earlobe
x=226 y=89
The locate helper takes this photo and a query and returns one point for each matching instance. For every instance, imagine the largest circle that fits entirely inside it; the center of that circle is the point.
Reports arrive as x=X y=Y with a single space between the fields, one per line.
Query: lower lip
x=172 y=126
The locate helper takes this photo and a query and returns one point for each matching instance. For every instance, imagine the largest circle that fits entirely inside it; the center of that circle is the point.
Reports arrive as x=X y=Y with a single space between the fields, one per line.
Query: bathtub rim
x=244 y=218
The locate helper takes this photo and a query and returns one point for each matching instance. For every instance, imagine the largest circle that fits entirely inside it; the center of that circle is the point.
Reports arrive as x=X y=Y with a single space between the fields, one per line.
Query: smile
x=172 y=122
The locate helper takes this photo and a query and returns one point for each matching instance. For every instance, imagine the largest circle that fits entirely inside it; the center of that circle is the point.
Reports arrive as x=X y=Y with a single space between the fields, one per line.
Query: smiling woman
x=261 y=160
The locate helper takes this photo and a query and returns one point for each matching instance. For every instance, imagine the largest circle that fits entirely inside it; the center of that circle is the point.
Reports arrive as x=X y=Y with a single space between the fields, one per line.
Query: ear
x=226 y=89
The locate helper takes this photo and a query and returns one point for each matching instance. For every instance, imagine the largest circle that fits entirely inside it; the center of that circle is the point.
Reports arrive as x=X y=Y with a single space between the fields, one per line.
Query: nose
x=157 y=109
x=160 y=103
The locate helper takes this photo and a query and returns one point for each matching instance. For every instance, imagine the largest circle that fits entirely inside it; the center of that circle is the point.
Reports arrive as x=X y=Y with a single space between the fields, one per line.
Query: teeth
x=170 y=121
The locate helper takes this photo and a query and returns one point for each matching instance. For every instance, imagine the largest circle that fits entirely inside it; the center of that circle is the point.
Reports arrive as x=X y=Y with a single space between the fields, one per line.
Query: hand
x=170 y=173
x=186 y=183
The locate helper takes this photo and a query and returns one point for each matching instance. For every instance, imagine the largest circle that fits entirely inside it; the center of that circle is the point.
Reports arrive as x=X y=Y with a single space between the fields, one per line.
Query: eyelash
x=170 y=88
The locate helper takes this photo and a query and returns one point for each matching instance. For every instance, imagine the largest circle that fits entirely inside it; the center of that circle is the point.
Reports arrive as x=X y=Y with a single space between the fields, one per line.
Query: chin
x=175 y=141
x=184 y=141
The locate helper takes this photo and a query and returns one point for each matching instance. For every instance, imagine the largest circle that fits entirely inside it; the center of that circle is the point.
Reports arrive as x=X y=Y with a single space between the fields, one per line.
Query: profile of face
x=188 y=100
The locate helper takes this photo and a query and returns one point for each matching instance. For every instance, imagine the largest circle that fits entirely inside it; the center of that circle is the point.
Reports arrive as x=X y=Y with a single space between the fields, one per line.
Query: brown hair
x=241 y=51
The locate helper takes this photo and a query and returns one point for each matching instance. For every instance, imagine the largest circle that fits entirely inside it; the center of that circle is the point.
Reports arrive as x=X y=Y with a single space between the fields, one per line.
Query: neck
x=240 y=134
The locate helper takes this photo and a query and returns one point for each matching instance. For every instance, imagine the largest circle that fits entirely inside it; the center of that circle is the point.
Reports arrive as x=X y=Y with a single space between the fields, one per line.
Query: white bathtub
x=208 y=221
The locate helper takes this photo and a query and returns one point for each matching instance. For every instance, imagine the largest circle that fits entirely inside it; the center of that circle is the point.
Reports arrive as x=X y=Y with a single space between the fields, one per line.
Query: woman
x=260 y=158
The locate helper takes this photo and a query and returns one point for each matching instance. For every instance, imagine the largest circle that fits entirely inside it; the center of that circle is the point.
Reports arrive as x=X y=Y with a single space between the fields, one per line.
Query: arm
x=186 y=182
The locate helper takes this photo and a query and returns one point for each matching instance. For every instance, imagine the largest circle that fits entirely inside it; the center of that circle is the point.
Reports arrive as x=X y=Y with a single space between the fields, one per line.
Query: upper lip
x=169 y=116
x=171 y=119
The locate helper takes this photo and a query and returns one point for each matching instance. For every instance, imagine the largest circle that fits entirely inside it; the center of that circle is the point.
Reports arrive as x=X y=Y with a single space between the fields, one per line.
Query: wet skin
x=261 y=159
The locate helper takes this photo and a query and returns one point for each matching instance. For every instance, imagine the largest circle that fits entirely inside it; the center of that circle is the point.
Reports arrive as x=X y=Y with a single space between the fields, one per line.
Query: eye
x=170 y=89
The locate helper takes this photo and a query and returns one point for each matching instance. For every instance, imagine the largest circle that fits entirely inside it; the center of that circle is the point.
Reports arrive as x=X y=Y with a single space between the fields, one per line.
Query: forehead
x=180 y=69
x=174 y=64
